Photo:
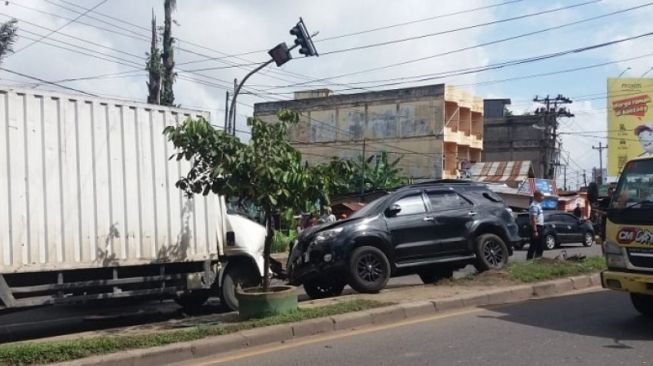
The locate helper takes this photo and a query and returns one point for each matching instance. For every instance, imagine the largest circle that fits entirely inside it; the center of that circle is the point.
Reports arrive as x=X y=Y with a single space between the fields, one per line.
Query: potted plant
x=266 y=170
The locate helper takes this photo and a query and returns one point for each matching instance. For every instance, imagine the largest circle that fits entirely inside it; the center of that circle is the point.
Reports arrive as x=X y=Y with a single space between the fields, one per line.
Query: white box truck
x=89 y=209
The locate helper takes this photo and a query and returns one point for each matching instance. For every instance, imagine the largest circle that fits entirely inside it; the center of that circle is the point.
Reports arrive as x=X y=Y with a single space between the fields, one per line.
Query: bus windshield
x=635 y=188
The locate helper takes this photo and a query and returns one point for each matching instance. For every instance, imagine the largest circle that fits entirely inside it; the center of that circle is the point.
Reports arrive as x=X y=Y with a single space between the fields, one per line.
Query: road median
x=316 y=317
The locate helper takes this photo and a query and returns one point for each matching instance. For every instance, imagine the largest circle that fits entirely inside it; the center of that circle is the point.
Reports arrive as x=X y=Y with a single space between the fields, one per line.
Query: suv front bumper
x=314 y=262
x=637 y=283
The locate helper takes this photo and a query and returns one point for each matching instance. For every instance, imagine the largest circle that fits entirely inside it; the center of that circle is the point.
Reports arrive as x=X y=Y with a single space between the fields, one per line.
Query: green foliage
x=281 y=241
x=375 y=172
x=153 y=66
x=30 y=353
x=7 y=37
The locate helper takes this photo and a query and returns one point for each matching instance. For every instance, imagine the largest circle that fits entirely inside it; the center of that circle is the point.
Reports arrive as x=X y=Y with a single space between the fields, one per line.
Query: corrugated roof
x=502 y=171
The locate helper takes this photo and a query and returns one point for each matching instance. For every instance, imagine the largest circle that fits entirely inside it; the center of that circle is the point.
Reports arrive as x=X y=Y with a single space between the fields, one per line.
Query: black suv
x=429 y=228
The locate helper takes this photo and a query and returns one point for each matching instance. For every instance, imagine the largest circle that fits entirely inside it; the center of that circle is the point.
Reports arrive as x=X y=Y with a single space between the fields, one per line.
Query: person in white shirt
x=536 y=214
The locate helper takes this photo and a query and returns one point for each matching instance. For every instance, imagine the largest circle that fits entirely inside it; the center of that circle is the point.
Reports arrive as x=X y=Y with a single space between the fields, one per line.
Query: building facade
x=509 y=138
x=435 y=129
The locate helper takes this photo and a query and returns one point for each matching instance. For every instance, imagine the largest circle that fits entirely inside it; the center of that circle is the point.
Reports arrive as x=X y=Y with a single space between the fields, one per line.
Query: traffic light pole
x=280 y=54
x=240 y=86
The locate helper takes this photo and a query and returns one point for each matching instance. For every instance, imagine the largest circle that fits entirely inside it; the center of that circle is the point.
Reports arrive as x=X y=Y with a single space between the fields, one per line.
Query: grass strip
x=548 y=269
x=29 y=353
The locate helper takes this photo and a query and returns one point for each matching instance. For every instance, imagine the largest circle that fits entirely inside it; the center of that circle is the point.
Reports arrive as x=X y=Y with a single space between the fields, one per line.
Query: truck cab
x=628 y=245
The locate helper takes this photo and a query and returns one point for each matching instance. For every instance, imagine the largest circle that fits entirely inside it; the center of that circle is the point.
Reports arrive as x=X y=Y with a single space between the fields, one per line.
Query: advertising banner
x=630 y=121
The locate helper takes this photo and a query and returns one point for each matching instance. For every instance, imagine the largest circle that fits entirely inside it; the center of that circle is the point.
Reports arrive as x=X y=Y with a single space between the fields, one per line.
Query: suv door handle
x=471 y=213
x=429 y=218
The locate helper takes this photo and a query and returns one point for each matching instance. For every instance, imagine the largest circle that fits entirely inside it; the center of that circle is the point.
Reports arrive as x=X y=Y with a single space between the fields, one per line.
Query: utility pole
x=600 y=148
x=577 y=180
x=564 y=184
x=584 y=178
x=232 y=110
x=226 y=112
x=363 y=166
x=551 y=109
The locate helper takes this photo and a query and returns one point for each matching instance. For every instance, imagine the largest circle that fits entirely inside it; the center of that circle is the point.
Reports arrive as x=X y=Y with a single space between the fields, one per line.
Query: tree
x=7 y=37
x=375 y=172
x=266 y=171
x=153 y=66
x=167 y=95
x=383 y=174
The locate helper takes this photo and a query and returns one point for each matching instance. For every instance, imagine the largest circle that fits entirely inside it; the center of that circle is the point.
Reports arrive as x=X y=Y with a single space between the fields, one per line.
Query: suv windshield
x=370 y=207
x=635 y=185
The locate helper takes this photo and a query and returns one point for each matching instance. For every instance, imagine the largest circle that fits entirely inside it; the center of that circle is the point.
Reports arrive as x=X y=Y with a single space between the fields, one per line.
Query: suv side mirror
x=393 y=210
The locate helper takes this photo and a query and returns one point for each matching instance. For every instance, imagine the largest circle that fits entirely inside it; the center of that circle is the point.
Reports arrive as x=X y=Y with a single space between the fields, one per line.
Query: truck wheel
x=237 y=275
x=643 y=304
x=193 y=300
x=369 y=269
x=435 y=274
x=321 y=288
x=491 y=252
x=588 y=239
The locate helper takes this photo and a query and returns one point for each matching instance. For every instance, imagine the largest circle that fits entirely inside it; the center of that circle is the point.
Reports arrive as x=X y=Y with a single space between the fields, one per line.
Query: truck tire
x=320 y=288
x=369 y=269
x=238 y=275
x=491 y=252
x=433 y=275
x=193 y=300
x=643 y=304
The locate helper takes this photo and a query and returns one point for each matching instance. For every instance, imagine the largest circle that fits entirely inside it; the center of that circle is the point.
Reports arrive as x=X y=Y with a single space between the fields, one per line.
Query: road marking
x=327 y=337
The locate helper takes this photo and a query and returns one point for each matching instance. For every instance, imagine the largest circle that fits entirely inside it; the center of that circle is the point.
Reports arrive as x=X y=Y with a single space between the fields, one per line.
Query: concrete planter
x=254 y=303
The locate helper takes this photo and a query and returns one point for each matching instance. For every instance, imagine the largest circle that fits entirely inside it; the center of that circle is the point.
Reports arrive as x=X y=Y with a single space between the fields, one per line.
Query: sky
x=111 y=42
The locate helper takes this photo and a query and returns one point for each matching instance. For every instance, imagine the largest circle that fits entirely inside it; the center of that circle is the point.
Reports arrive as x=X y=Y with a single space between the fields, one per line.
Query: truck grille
x=642 y=258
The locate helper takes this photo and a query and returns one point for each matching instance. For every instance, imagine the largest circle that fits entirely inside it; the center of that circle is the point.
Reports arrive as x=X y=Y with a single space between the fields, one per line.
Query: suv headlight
x=327 y=235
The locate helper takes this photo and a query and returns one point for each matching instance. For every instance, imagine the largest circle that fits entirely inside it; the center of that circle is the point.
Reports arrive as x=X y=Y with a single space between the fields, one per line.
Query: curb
x=180 y=352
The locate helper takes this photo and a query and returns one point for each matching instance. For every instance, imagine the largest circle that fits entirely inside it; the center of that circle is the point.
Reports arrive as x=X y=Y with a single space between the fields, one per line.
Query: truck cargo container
x=89 y=209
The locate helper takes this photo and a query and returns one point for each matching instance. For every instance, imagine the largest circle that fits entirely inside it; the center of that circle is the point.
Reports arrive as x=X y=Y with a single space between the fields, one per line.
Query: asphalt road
x=592 y=328
x=51 y=321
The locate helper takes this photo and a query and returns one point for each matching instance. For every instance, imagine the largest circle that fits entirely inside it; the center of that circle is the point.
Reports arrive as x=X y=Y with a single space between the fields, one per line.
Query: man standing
x=536 y=248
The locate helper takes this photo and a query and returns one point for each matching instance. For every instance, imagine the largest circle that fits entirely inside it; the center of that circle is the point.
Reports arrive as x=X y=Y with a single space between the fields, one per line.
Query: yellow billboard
x=630 y=121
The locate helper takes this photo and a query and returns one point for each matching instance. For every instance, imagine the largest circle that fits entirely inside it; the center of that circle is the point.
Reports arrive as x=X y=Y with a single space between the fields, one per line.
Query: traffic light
x=280 y=54
x=303 y=39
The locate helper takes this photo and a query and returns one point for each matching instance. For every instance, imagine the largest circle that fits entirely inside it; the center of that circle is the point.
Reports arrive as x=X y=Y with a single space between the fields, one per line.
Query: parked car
x=430 y=229
x=559 y=228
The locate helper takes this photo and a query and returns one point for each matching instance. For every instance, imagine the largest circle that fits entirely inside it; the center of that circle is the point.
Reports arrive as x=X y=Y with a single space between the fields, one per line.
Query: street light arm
x=240 y=85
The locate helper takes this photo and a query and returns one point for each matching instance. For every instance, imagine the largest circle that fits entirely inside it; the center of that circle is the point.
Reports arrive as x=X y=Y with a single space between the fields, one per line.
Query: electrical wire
x=60 y=28
x=459 y=29
x=497 y=41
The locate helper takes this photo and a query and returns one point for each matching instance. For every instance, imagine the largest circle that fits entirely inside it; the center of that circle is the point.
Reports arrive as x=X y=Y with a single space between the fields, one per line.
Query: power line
x=130 y=33
x=459 y=29
x=23 y=21
x=497 y=41
x=374 y=29
x=440 y=16
x=45 y=81
x=60 y=28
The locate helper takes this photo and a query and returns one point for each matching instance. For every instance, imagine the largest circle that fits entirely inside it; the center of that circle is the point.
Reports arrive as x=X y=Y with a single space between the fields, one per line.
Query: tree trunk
x=167 y=94
x=269 y=234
